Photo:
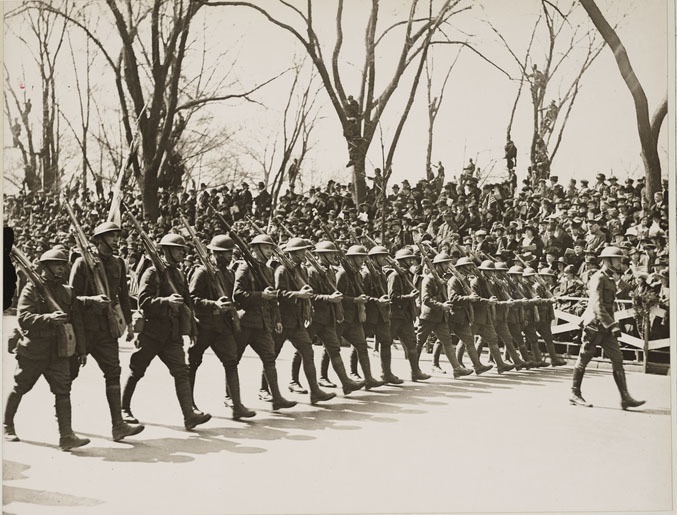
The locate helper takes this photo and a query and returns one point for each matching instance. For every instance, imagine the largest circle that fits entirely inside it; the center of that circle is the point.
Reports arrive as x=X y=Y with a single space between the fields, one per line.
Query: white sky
x=601 y=134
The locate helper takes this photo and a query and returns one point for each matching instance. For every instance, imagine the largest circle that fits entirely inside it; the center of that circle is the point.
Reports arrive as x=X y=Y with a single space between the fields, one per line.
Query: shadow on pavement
x=12 y=494
x=13 y=470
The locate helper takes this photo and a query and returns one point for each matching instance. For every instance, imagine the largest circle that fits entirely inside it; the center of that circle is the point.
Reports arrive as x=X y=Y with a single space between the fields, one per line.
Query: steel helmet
x=325 y=246
x=357 y=250
x=404 y=253
x=296 y=244
x=442 y=257
x=546 y=271
x=106 y=227
x=528 y=272
x=378 y=250
x=611 y=252
x=173 y=240
x=262 y=239
x=516 y=270
x=221 y=242
x=501 y=266
x=464 y=261
x=487 y=264
x=54 y=255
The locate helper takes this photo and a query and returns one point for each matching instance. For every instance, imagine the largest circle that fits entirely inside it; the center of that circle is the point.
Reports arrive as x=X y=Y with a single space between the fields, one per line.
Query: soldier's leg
x=262 y=343
x=467 y=338
x=106 y=354
x=26 y=374
x=532 y=340
x=138 y=363
x=196 y=350
x=612 y=350
x=58 y=376
x=278 y=343
x=304 y=346
x=504 y=335
x=225 y=348
x=587 y=352
x=545 y=331
x=516 y=333
x=423 y=332
x=438 y=349
x=441 y=330
x=174 y=358
x=383 y=337
x=355 y=335
x=332 y=349
x=295 y=384
x=488 y=334
x=403 y=330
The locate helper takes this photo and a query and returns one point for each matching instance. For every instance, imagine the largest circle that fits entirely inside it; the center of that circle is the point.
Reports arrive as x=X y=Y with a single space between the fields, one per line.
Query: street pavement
x=508 y=443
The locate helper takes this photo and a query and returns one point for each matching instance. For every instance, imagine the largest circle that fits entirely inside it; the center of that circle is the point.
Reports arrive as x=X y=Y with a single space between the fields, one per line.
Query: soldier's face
x=57 y=268
x=298 y=256
x=176 y=254
x=112 y=240
x=224 y=257
x=266 y=251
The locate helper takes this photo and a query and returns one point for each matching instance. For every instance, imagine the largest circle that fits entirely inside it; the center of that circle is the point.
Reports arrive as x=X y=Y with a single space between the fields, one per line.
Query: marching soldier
x=546 y=313
x=403 y=295
x=378 y=311
x=349 y=282
x=100 y=338
x=37 y=353
x=435 y=310
x=327 y=314
x=167 y=316
x=262 y=314
x=216 y=321
x=600 y=328
x=530 y=329
x=515 y=315
x=296 y=312
x=462 y=320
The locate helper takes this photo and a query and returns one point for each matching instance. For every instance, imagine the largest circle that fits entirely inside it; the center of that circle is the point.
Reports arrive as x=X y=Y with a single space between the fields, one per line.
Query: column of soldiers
x=312 y=291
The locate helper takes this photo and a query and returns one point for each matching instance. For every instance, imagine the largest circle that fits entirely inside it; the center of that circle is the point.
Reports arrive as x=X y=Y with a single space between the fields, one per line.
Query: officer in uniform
x=253 y=292
x=102 y=339
x=378 y=311
x=403 y=295
x=435 y=310
x=600 y=328
x=349 y=282
x=294 y=295
x=36 y=353
x=216 y=321
x=168 y=315
x=327 y=314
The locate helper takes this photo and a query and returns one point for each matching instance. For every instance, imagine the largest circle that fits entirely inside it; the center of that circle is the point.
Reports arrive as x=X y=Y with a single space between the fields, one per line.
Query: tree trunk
x=648 y=138
x=359 y=157
x=429 y=151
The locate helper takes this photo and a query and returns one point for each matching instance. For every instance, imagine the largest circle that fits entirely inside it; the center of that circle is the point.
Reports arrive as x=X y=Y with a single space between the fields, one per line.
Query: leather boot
x=67 y=439
x=371 y=382
x=316 y=394
x=539 y=362
x=626 y=399
x=353 y=364
x=11 y=407
x=501 y=365
x=279 y=402
x=295 y=384
x=416 y=373
x=576 y=398
x=127 y=394
x=348 y=384
x=477 y=364
x=233 y=387
x=191 y=416
x=514 y=355
x=555 y=359
x=460 y=352
x=459 y=370
x=324 y=371
x=386 y=363
x=120 y=428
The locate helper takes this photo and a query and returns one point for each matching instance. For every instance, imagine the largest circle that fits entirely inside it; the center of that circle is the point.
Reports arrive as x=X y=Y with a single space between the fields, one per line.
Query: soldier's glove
x=616 y=332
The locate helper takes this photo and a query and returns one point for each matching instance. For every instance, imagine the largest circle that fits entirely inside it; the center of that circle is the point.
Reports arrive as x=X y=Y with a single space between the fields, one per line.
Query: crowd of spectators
x=540 y=224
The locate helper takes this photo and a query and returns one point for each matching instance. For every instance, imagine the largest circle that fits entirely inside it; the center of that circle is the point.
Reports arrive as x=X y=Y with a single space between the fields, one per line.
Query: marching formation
x=262 y=294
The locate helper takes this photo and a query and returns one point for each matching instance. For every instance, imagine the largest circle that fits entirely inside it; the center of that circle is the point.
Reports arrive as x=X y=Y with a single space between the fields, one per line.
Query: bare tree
x=648 y=128
x=359 y=117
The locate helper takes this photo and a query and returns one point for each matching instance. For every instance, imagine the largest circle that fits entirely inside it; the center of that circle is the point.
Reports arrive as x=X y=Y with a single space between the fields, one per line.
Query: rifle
x=392 y=262
x=527 y=293
x=454 y=271
x=433 y=272
x=96 y=274
x=187 y=324
x=297 y=281
x=244 y=250
x=65 y=334
x=215 y=276
x=373 y=269
x=350 y=272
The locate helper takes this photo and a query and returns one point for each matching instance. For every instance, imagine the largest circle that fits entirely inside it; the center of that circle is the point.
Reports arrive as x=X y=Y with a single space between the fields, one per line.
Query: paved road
x=490 y=443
